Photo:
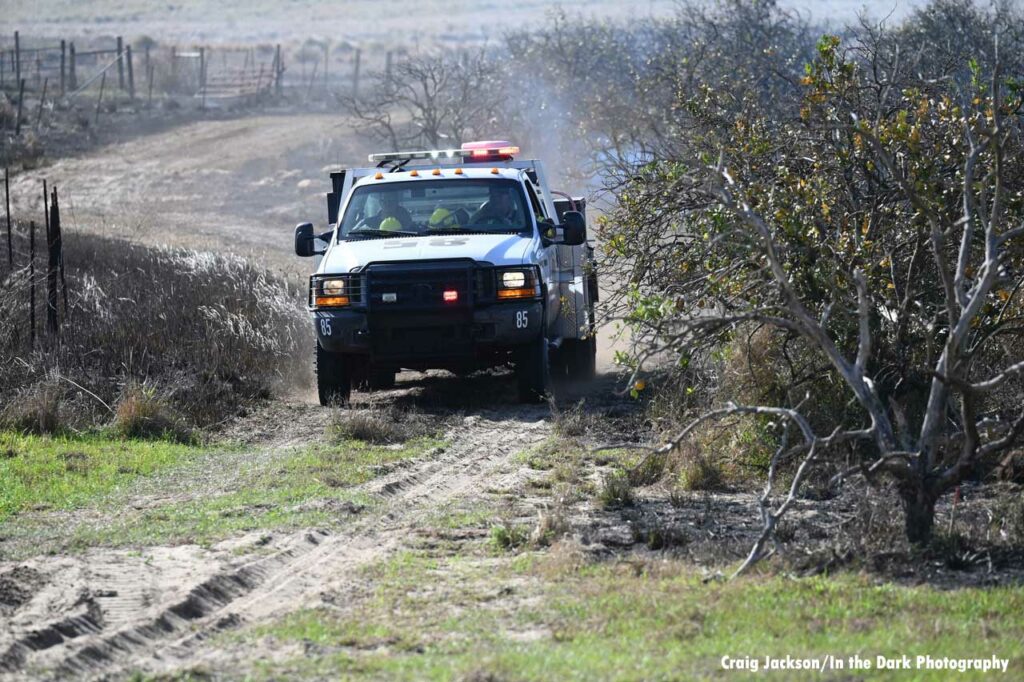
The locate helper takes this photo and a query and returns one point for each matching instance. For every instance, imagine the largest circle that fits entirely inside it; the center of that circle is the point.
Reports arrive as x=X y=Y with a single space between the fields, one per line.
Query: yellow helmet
x=390 y=224
x=442 y=218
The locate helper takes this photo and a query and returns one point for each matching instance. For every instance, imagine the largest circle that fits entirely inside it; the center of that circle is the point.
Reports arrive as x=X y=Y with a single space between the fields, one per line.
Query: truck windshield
x=435 y=207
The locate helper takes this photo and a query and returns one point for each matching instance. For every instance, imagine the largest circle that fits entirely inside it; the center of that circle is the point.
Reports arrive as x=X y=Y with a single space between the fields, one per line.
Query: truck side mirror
x=574 y=228
x=305 y=246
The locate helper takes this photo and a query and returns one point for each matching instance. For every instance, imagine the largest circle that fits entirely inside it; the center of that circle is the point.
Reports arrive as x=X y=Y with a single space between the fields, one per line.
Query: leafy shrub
x=508 y=536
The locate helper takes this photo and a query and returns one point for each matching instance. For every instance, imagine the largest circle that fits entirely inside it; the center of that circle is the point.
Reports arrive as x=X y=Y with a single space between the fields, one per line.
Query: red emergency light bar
x=491 y=150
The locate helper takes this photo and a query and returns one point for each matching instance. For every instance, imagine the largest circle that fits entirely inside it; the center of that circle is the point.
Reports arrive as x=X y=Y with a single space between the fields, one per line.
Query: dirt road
x=238 y=185
x=113 y=611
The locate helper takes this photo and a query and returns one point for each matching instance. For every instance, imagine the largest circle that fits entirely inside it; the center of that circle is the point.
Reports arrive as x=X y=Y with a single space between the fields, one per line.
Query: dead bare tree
x=435 y=102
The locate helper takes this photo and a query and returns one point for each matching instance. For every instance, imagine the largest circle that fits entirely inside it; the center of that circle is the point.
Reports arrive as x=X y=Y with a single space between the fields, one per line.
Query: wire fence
x=60 y=68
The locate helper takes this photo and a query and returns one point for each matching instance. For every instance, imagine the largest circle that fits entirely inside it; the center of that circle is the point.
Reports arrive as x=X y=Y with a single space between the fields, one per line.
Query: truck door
x=548 y=266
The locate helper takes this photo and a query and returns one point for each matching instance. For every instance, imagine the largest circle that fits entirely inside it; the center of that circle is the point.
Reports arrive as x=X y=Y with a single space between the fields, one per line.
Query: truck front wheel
x=533 y=370
x=333 y=377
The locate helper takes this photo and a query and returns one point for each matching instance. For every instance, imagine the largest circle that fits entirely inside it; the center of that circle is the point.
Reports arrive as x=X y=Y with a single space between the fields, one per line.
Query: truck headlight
x=518 y=283
x=330 y=292
x=334 y=287
x=513 y=279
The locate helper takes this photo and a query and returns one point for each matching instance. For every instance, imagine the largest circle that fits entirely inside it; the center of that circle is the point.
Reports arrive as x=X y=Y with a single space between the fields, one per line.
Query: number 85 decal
x=522 y=321
x=325 y=326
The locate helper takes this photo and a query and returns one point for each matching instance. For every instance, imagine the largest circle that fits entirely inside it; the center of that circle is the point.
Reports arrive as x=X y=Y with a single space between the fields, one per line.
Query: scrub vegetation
x=155 y=342
x=809 y=446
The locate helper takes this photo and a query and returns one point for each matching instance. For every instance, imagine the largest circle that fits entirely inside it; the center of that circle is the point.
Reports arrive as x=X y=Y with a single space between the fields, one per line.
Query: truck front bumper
x=425 y=336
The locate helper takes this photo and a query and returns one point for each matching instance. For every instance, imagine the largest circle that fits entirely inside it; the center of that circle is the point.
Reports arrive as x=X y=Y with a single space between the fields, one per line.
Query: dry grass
x=552 y=525
x=380 y=425
x=34 y=409
x=698 y=472
x=574 y=422
x=208 y=333
x=141 y=413
x=616 y=491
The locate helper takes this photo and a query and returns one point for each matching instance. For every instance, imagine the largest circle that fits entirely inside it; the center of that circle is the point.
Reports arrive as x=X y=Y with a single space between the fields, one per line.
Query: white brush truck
x=458 y=259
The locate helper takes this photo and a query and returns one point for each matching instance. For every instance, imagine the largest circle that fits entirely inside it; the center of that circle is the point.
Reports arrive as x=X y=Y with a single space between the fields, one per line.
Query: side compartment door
x=572 y=269
x=549 y=268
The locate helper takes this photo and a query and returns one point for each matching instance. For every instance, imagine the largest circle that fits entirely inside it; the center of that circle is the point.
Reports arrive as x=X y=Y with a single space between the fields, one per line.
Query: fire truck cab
x=458 y=259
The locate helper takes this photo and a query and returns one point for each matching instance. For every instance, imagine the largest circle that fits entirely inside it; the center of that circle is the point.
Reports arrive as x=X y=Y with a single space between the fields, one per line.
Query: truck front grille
x=441 y=285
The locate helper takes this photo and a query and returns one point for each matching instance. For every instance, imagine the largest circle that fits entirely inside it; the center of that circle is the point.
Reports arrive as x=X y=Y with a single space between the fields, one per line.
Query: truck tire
x=333 y=377
x=533 y=371
x=581 y=358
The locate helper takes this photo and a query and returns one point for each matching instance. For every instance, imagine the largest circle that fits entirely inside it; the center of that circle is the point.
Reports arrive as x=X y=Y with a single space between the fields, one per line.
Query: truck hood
x=499 y=249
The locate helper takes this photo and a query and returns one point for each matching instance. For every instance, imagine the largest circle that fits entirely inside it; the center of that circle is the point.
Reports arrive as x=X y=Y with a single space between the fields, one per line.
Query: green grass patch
x=313 y=486
x=309 y=486
x=439 y=620
x=43 y=472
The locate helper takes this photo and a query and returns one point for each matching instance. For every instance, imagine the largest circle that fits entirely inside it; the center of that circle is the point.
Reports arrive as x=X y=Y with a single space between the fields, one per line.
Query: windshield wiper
x=380 y=233
x=475 y=230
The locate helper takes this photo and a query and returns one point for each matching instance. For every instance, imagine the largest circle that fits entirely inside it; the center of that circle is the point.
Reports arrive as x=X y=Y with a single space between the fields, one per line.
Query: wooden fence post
x=327 y=59
x=387 y=67
x=7 y=195
x=355 y=75
x=63 y=54
x=131 y=72
x=17 y=58
x=278 y=70
x=99 y=100
x=21 y=100
x=32 y=283
x=202 y=67
x=52 y=266
x=42 y=100
x=55 y=219
x=72 y=72
x=120 y=63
